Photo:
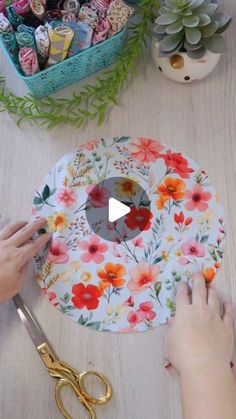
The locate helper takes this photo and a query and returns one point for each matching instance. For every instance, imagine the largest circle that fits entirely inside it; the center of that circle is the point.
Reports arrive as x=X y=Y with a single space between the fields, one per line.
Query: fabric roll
x=88 y=14
x=54 y=24
x=9 y=41
x=82 y=37
x=72 y=6
x=60 y=41
x=52 y=15
x=101 y=31
x=13 y=17
x=28 y=61
x=24 y=28
x=118 y=14
x=51 y=5
x=67 y=16
x=5 y=25
x=37 y=9
x=22 y=7
x=32 y=21
x=101 y=5
x=25 y=39
x=3 y=7
x=42 y=41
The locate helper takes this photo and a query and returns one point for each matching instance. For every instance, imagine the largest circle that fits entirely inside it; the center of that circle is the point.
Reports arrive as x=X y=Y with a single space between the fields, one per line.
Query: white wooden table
x=197 y=119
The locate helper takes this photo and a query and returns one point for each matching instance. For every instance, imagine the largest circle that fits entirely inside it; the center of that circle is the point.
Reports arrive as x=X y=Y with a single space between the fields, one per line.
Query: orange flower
x=217 y=265
x=209 y=274
x=111 y=275
x=172 y=188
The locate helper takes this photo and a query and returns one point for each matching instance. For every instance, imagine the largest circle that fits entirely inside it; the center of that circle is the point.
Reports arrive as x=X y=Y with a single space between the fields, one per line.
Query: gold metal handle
x=105 y=397
x=63 y=382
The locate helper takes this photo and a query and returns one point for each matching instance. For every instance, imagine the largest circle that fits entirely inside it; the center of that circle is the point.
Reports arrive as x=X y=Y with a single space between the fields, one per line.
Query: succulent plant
x=193 y=26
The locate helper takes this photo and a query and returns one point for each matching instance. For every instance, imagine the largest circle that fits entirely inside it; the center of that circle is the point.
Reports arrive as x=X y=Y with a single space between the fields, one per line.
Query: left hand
x=16 y=249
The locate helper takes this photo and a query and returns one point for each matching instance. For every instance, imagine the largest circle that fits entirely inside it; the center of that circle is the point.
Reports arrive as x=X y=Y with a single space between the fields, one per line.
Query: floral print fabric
x=127 y=286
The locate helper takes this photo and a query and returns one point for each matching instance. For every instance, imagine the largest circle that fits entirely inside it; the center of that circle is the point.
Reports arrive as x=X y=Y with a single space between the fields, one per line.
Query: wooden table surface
x=197 y=119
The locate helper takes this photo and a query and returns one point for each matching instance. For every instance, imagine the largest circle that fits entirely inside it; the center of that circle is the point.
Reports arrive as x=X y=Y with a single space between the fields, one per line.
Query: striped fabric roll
x=22 y=7
x=24 y=28
x=28 y=61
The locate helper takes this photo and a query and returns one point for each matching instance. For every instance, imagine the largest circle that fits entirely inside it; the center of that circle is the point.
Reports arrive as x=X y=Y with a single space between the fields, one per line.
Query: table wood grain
x=197 y=119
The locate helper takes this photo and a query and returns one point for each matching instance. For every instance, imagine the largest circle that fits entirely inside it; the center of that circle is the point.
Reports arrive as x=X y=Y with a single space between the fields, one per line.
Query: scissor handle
x=63 y=382
x=105 y=397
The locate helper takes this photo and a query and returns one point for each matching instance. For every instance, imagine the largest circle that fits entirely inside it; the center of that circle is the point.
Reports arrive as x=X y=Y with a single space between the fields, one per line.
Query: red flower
x=85 y=296
x=98 y=196
x=52 y=297
x=145 y=311
x=188 y=221
x=177 y=162
x=139 y=218
x=179 y=218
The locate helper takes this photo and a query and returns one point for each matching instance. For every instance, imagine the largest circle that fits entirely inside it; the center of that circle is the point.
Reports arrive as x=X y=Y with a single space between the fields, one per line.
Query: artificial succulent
x=193 y=26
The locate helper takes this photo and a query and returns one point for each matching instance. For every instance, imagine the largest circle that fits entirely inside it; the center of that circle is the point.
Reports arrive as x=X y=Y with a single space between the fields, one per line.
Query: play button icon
x=118 y=209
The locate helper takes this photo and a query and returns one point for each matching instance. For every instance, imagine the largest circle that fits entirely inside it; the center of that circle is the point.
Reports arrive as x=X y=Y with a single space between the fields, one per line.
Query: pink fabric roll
x=3 y=7
x=28 y=61
x=101 y=5
x=101 y=31
x=22 y=7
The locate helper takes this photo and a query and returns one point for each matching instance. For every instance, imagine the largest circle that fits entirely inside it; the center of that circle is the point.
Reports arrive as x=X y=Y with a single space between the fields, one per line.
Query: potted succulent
x=187 y=38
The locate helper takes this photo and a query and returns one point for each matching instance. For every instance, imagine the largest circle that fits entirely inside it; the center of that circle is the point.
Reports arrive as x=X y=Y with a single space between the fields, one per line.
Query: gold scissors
x=64 y=373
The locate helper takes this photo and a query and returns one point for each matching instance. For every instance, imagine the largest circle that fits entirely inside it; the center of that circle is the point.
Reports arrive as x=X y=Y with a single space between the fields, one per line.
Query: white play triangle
x=116 y=210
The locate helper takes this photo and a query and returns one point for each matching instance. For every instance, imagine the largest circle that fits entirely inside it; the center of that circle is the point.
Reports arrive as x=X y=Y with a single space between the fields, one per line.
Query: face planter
x=181 y=68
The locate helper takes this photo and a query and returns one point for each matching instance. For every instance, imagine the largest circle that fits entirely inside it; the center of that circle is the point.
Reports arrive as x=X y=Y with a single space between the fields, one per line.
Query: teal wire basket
x=73 y=69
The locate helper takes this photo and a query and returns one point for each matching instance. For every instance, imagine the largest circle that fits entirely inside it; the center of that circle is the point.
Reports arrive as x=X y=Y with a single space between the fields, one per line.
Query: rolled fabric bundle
x=13 y=17
x=101 y=5
x=22 y=7
x=25 y=39
x=51 y=15
x=24 y=28
x=37 y=9
x=88 y=14
x=54 y=24
x=51 y=5
x=101 y=31
x=60 y=41
x=67 y=16
x=9 y=41
x=42 y=41
x=3 y=7
x=5 y=25
x=118 y=14
x=28 y=61
x=32 y=21
x=72 y=6
x=82 y=37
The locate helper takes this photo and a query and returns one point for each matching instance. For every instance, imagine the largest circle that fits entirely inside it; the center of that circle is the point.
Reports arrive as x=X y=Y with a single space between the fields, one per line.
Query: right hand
x=198 y=335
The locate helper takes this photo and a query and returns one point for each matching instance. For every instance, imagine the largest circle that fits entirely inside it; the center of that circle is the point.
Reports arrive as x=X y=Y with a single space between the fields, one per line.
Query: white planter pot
x=183 y=69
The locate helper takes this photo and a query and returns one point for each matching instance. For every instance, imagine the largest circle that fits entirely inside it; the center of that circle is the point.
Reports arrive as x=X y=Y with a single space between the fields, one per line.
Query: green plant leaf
x=167 y=18
x=223 y=21
x=174 y=27
x=196 y=54
x=157 y=287
x=208 y=9
x=38 y=200
x=215 y=43
x=204 y=20
x=208 y=30
x=193 y=35
x=191 y=21
x=170 y=42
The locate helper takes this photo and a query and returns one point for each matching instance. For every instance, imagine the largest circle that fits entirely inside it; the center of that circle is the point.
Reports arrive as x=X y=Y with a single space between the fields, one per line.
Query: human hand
x=16 y=249
x=198 y=335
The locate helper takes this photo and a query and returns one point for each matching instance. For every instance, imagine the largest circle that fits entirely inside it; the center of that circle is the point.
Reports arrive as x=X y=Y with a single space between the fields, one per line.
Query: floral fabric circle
x=127 y=286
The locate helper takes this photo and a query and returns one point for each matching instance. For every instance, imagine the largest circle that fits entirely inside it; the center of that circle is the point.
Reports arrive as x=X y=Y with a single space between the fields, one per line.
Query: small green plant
x=192 y=26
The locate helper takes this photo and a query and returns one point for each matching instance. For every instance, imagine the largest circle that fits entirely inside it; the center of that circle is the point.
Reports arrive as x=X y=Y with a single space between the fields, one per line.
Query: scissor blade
x=29 y=322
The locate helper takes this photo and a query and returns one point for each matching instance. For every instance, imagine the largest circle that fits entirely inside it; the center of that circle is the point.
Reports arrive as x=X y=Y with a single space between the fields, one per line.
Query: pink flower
x=197 y=199
x=66 y=197
x=58 y=252
x=51 y=296
x=98 y=196
x=145 y=150
x=193 y=248
x=90 y=145
x=94 y=250
x=145 y=311
x=138 y=242
x=134 y=318
x=129 y=302
x=142 y=276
